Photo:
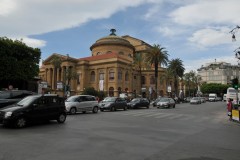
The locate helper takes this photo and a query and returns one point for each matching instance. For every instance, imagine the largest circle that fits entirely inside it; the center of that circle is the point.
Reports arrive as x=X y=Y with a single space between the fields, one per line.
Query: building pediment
x=62 y=57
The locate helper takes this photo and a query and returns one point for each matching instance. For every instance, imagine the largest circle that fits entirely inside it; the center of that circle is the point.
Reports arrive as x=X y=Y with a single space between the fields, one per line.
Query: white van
x=212 y=97
x=224 y=97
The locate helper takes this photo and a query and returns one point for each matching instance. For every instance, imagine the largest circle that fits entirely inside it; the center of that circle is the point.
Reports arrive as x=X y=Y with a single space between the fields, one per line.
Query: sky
x=195 y=31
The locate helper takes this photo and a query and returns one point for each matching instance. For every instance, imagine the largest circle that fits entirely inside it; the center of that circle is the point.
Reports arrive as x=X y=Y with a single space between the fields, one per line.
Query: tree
x=139 y=64
x=177 y=69
x=156 y=56
x=167 y=77
x=188 y=78
x=56 y=62
x=90 y=91
x=220 y=89
x=69 y=75
x=18 y=61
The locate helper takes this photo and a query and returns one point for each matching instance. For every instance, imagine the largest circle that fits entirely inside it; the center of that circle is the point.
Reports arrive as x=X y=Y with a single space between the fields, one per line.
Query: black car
x=138 y=103
x=34 y=108
x=113 y=103
x=13 y=96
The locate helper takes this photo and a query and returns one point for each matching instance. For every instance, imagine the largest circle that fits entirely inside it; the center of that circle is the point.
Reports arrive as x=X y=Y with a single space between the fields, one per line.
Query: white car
x=195 y=100
x=81 y=103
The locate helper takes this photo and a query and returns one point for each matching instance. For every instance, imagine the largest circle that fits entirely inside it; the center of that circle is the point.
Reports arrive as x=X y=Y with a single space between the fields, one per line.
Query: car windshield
x=158 y=99
x=164 y=100
x=4 y=95
x=135 y=100
x=110 y=99
x=72 y=99
x=26 y=101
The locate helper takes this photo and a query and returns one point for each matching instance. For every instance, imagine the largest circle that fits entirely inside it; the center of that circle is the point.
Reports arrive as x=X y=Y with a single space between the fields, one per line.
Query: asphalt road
x=187 y=132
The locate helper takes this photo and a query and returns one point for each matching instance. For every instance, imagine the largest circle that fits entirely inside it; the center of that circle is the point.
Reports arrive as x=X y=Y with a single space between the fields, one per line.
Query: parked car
x=113 y=103
x=81 y=103
x=13 y=96
x=166 y=103
x=138 y=103
x=187 y=99
x=34 y=108
x=218 y=98
x=203 y=99
x=195 y=100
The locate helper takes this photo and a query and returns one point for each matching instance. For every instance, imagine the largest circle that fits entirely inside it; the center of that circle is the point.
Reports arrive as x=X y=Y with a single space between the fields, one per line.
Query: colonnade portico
x=54 y=75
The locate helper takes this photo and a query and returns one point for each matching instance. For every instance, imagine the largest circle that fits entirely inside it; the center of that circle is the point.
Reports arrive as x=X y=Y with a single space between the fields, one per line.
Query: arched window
x=79 y=78
x=111 y=91
x=92 y=76
x=98 y=53
x=126 y=76
x=111 y=74
x=152 y=80
x=119 y=74
x=119 y=90
x=143 y=80
x=121 y=53
x=108 y=52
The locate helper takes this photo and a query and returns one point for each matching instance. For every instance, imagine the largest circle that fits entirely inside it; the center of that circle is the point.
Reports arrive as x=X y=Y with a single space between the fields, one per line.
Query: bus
x=232 y=93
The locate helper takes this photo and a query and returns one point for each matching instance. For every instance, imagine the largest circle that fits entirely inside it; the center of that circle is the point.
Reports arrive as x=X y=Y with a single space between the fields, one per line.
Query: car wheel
x=21 y=122
x=113 y=108
x=61 y=118
x=95 y=109
x=73 y=110
x=174 y=106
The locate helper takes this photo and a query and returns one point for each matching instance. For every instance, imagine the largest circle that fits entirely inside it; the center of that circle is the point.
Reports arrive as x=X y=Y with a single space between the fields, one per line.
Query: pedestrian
x=229 y=108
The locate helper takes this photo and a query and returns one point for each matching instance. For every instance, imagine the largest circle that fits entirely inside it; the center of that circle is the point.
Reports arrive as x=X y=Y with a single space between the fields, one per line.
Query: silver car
x=81 y=103
x=195 y=100
x=166 y=103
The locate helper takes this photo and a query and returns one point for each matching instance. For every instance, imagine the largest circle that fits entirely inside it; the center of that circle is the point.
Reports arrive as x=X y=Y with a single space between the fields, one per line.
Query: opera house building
x=109 y=68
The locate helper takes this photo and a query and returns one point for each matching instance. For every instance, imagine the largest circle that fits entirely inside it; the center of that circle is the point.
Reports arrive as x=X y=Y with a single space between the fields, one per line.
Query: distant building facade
x=218 y=72
x=110 y=69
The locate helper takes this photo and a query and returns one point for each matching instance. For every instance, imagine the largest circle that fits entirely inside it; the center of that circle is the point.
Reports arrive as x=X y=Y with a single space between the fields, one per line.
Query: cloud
x=33 y=18
x=209 y=37
x=35 y=43
x=26 y=17
x=169 y=31
x=208 y=12
x=6 y=7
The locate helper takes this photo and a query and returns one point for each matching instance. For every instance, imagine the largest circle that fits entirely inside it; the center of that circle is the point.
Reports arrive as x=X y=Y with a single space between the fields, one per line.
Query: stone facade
x=109 y=68
x=218 y=72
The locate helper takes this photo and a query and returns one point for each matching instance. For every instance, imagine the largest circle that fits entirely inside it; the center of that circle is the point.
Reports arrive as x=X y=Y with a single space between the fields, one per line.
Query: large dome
x=112 y=39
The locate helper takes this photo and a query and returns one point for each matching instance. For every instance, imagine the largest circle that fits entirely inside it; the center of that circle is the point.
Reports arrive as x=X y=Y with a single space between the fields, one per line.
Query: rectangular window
x=111 y=76
x=101 y=76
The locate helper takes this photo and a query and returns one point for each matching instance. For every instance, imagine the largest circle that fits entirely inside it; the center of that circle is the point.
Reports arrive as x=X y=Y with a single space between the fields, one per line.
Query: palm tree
x=176 y=66
x=168 y=76
x=139 y=64
x=156 y=56
x=189 y=78
x=56 y=62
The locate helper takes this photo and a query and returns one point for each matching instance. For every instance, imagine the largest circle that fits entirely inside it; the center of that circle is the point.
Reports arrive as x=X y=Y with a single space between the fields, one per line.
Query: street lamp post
x=233 y=32
x=237 y=55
